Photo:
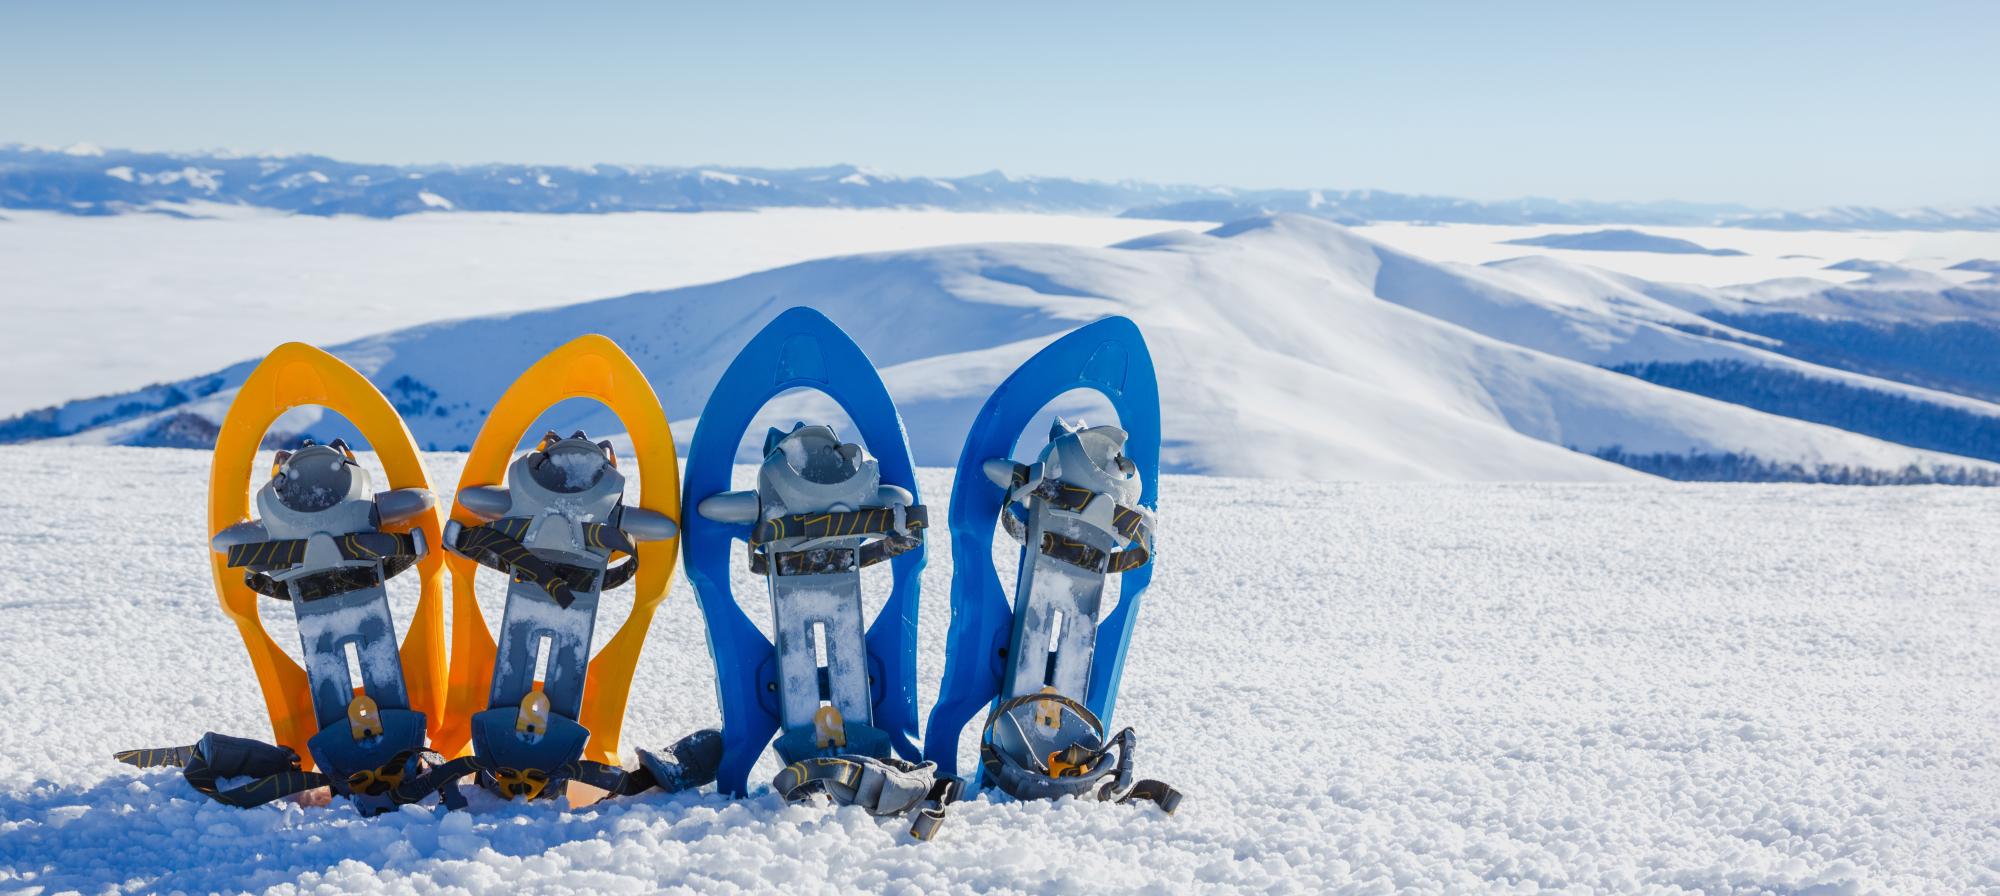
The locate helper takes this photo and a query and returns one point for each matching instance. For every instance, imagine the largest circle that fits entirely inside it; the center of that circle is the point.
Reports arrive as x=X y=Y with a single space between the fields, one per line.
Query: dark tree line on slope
x=1960 y=356
x=1738 y=467
x=1884 y=415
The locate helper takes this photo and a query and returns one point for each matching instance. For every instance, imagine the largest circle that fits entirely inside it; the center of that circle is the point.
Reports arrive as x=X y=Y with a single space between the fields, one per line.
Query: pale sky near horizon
x=1770 y=104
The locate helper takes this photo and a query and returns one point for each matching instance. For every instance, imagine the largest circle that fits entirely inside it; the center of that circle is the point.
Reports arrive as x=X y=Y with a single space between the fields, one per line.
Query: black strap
x=439 y=779
x=1156 y=792
x=218 y=756
x=866 y=521
x=807 y=777
x=497 y=545
x=945 y=791
x=528 y=782
x=615 y=779
x=397 y=552
x=1129 y=522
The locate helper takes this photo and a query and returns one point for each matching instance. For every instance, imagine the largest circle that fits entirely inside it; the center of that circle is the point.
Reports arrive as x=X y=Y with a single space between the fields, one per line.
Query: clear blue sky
x=1789 y=104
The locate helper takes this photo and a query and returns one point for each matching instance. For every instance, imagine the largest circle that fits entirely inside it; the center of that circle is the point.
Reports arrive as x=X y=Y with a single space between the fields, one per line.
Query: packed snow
x=1639 y=687
x=102 y=304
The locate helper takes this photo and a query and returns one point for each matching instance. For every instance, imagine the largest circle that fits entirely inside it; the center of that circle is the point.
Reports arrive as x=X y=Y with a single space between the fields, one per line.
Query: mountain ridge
x=96 y=181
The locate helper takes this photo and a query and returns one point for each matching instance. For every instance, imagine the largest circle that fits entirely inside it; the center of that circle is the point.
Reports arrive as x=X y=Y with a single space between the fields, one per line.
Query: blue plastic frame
x=800 y=348
x=1109 y=356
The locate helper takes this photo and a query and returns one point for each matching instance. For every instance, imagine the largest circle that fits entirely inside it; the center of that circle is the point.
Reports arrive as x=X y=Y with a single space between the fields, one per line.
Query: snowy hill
x=1620 y=240
x=1627 y=688
x=89 y=180
x=1289 y=347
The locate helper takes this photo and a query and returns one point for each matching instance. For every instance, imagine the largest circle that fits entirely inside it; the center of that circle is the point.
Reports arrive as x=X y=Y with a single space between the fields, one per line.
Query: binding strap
x=497 y=545
x=397 y=551
x=901 y=527
x=528 y=783
x=1130 y=523
x=218 y=756
x=697 y=756
x=277 y=772
x=884 y=786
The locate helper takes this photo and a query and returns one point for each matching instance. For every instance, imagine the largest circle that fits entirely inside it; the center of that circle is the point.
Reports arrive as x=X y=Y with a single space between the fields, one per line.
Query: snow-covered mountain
x=1287 y=345
x=89 y=180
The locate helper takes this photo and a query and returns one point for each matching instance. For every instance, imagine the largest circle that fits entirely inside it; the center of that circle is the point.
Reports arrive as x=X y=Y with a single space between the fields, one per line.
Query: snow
x=1291 y=347
x=579 y=470
x=433 y=200
x=1765 y=257
x=1639 y=687
x=121 y=172
x=109 y=303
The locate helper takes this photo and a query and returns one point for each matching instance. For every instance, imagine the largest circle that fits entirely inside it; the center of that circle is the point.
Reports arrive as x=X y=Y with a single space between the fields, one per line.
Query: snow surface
x=1641 y=687
x=1766 y=251
x=98 y=304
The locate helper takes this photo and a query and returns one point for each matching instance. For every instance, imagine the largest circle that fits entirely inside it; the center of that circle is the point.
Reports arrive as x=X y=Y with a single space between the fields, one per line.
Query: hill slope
x=1288 y=346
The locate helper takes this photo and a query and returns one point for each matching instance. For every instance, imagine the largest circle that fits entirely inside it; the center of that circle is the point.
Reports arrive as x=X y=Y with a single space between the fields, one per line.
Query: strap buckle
x=829 y=728
x=364 y=718
x=533 y=719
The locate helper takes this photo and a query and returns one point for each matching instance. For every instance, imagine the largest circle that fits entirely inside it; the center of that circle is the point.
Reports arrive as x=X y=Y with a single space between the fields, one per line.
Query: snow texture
x=1639 y=687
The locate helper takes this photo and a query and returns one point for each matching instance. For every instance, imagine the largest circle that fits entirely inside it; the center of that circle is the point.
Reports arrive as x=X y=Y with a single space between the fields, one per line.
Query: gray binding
x=561 y=486
x=810 y=470
x=319 y=493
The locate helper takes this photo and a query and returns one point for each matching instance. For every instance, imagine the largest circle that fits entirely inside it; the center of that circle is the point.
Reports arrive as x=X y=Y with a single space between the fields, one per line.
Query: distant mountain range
x=87 y=180
x=1292 y=348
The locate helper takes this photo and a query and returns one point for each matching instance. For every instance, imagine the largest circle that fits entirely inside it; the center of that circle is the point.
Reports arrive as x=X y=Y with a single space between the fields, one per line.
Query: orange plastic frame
x=298 y=375
x=591 y=367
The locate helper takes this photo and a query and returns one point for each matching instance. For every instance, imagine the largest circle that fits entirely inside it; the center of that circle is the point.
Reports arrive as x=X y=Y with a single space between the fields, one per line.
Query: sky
x=1770 y=104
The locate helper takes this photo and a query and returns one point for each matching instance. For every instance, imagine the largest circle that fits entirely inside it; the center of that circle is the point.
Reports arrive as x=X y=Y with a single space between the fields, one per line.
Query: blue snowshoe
x=841 y=698
x=1042 y=658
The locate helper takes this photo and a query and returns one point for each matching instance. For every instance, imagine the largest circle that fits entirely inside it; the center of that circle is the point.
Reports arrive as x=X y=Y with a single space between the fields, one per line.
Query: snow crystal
x=579 y=470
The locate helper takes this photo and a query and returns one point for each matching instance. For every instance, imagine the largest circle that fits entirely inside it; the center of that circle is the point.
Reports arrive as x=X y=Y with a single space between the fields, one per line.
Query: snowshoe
x=537 y=710
x=1042 y=658
x=840 y=698
x=324 y=542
